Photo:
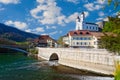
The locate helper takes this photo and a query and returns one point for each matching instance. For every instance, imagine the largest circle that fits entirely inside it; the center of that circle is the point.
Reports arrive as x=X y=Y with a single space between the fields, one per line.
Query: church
x=82 y=25
x=85 y=35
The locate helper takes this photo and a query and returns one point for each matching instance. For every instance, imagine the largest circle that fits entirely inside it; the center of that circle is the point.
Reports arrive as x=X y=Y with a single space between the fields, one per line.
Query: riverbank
x=73 y=71
x=69 y=70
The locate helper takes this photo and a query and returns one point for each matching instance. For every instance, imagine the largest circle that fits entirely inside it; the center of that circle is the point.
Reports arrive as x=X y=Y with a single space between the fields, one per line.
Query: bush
x=117 y=71
x=33 y=51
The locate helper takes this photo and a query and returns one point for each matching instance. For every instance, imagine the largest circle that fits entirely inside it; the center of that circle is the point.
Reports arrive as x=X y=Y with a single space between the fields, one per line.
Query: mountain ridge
x=15 y=34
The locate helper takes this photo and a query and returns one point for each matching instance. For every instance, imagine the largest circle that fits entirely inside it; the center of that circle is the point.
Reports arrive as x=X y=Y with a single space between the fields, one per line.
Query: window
x=73 y=38
x=89 y=38
x=87 y=32
x=85 y=38
x=77 y=38
x=89 y=43
x=96 y=28
x=90 y=27
x=77 y=43
x=81 y=43
x=75 y=33
x=81 y=38
x=81 y=33
x=95 y=43
x=87 y=27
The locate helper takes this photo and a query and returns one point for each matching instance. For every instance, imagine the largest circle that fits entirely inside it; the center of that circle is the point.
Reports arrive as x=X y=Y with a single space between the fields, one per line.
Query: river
x=20 y=67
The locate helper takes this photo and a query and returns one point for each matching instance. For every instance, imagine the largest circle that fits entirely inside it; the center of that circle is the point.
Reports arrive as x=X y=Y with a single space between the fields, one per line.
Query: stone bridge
x=95 y=60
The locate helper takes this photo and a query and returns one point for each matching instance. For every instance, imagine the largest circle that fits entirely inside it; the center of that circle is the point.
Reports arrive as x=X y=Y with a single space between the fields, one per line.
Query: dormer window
x=81 y=33
x=75 y=33
x=87 y=32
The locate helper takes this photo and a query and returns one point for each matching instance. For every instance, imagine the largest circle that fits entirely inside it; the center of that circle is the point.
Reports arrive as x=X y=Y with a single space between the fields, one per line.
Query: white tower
x=79 y=21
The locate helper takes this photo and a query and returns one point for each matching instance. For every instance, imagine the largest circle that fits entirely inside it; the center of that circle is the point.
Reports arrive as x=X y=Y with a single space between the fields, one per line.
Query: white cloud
x=86 y=13
x=50 y=27
x=72 y=17
x=99 y=19
x=52 y=33
x=73 y=1
x=47 y=12
x=36 y=30
x=17 y=24
x=101 y=14
x=92 y=7
x=28 y=30
x=101 y=1
x=39 y=29
x=9 y=1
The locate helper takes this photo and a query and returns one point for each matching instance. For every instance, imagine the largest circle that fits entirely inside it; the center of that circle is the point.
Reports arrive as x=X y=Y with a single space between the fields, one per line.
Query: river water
x=20 y=67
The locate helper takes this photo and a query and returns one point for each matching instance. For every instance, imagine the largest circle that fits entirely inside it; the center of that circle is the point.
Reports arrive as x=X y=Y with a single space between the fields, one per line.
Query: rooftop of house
x=79 y=32
x=87 y=32
x=90 y=23
x=43 y=39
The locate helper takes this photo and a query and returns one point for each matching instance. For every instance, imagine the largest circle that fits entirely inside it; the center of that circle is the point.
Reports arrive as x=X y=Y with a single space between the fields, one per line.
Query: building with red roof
x=85 y=34
x=45 y=41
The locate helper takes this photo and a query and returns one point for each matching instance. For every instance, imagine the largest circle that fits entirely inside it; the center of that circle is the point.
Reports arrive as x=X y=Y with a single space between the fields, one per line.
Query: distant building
x=82 y=39
x=86 y=35
x=82 y=25
x=45 y=41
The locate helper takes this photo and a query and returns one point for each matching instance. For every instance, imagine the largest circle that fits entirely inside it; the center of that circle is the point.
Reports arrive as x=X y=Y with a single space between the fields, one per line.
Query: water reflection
x=20 y=67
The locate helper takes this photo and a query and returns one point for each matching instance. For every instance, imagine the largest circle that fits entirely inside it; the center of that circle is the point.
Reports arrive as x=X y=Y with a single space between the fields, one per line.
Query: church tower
x=79 y=21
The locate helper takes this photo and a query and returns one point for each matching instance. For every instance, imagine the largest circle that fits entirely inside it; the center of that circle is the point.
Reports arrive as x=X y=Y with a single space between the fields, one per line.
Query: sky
x=52 y=17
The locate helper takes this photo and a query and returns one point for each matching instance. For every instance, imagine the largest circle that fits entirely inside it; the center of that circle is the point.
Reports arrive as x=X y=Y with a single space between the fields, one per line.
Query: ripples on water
x=20 y=67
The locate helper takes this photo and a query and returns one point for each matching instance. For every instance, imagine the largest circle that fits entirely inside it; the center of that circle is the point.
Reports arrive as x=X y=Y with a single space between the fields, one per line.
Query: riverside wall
x=95 y=60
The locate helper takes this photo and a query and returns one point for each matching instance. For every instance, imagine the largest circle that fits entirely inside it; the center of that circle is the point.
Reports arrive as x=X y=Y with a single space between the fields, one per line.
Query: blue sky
x=52 y=17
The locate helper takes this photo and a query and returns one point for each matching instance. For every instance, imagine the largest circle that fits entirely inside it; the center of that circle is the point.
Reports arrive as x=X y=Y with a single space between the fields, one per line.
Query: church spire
x=82 y=16
x=79 y=21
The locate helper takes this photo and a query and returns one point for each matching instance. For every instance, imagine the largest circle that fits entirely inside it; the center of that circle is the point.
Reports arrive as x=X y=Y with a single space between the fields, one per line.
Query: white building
x=82 y=25
x=85 y=35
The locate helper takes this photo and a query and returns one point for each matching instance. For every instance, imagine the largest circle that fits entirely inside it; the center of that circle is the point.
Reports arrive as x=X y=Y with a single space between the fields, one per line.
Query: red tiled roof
x=100 y=34
x=43 y=39
x=79 y=32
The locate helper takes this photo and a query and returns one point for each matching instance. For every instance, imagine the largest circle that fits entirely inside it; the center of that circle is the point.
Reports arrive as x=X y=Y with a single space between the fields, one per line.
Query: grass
x=117 y=71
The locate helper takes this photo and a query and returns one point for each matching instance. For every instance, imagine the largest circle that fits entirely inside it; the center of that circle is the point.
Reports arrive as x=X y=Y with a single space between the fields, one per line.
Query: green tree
x=61 y=43
x=113 y=25
x=111 y=42
x=117 y=71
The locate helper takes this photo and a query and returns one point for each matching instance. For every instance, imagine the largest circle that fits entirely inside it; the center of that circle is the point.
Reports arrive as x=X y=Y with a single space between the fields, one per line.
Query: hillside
x=14 y=34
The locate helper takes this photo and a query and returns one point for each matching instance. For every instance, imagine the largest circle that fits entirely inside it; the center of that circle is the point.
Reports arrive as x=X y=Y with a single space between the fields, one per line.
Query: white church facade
x=85 y=35
x=82 y=25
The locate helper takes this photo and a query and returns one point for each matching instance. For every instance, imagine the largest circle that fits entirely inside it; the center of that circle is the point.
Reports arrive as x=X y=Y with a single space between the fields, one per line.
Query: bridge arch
x=53 y=56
